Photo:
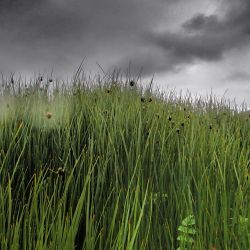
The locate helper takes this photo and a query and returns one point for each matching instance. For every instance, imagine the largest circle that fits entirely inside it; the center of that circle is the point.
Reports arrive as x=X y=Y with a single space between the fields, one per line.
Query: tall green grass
x=114 y=166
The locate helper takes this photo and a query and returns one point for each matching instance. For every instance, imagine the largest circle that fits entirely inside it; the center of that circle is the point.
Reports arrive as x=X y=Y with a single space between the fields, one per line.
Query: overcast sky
x=197 y=44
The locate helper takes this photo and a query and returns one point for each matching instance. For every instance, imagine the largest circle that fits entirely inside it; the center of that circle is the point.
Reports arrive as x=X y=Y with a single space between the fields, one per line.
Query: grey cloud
x=237 y=17
x=239 y=76
x=57 y=20
x=209 y=37
x=146 y=61
x=203 y=23
x=190 y=47
x=203 y=37
x=37 y=32
x=223 y=33
x=61 y=32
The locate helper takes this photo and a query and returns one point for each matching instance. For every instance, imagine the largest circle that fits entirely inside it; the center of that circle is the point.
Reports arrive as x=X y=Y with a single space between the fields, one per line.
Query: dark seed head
x=108 y=91
x=50 y=80
x=132 y=83
x=170 y=118
x=210 y=127
x=61 y=172
x=182 y=124
x=150 y=99
x=40 y=78
x=142 y=99
x=178 y=130
x=184 y=109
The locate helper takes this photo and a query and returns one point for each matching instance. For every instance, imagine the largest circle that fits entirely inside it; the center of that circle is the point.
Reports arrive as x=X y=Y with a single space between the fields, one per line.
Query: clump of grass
x=81 y=168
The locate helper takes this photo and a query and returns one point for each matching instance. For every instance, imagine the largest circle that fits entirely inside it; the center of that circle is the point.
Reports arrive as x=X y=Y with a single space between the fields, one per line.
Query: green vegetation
x=187 y=231
x=118 y=166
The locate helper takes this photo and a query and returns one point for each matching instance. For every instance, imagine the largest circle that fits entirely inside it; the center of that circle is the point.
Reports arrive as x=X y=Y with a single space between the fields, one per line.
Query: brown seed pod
x=48 y=115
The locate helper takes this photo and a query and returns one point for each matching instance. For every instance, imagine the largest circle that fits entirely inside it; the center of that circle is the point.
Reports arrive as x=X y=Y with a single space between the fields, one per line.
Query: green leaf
x=188 y=221
x=185 y=238
x=186 y=230
x=244 y=220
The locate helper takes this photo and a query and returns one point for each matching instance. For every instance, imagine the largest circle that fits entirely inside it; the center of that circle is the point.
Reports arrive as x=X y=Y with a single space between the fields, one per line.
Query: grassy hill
x=115 y=166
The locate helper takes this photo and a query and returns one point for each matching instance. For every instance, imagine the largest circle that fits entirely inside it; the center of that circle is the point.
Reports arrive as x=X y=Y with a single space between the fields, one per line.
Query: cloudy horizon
x=195 y=45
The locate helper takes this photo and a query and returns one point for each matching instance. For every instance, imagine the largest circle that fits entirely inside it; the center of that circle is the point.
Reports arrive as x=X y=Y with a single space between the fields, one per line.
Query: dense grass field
x=117 y=166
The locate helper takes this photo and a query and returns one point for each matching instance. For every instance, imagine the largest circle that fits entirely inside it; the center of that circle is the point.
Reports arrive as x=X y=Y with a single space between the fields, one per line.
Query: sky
x=198 y=45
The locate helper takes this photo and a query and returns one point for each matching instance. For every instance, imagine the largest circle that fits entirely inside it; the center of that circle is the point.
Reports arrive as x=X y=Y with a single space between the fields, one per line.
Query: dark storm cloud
x=115 y=32
x=61 y=19
x=58 y=31
x=201 y=38
x=201 y=22
x=209 y=37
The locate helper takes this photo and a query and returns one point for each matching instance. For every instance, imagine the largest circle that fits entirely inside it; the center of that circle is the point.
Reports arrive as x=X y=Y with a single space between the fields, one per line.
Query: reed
x=91 y=169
